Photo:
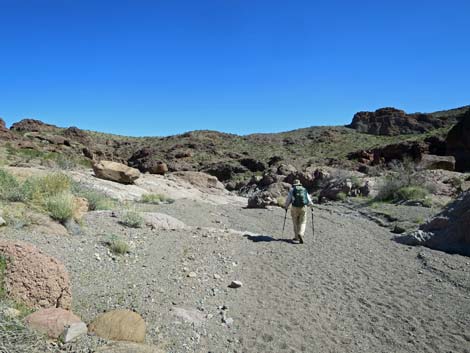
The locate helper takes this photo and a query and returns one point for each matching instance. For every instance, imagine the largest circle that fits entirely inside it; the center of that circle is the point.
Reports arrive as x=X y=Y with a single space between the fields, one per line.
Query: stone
x=2 y=222
x=117 y=172
x=34 y=278
x=127 y=347
x=161 y=221
x=448 y=231
x=191 y=316
x=199 y=180
x=80 y=207
x=429 y=161
x=159 y=168
x=119 y=325
x=192 y=275
x=236 y=284
x=73 y=331
x=253 y=165
x=52 y=321
x=458 y=143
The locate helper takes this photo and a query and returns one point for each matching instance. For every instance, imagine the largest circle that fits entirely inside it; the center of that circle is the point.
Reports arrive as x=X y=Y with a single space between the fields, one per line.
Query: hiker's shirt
x=290 y=198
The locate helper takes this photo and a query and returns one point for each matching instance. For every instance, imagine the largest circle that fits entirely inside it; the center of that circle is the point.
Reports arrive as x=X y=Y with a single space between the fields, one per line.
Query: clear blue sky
x=163 y=67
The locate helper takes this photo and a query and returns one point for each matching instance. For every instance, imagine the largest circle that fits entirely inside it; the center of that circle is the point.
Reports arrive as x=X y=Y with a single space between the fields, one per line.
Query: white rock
x=73 y=331
x=2 y=222
x=192 y=275
x=216 y=276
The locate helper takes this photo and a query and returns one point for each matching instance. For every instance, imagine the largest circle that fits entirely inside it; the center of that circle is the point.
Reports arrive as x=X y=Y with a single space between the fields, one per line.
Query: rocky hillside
x=231 y=158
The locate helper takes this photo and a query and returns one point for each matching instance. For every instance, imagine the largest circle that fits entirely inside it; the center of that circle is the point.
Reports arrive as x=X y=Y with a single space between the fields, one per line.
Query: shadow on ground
x=265 y=239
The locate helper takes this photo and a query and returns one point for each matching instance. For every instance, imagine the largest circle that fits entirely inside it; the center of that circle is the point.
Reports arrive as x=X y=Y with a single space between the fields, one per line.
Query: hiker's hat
x=297 y=182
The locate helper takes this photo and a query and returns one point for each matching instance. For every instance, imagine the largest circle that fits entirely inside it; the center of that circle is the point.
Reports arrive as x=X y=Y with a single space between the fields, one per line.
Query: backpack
x=300 y=197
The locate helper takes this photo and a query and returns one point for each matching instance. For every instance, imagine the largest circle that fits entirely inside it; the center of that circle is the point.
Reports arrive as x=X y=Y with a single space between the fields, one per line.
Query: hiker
x=300 y=200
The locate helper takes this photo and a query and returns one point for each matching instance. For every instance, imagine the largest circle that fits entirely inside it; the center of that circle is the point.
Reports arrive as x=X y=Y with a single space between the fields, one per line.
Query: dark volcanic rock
x=76 y=134
x=224 y=171
x=391 y=121
x=448 y=231
x=399 y=151
x=458 y=143
x=32 y=125
x=253 y=165
x=430 y=161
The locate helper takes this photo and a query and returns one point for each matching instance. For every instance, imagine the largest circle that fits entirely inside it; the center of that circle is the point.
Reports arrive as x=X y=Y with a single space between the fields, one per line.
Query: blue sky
x=164 y=67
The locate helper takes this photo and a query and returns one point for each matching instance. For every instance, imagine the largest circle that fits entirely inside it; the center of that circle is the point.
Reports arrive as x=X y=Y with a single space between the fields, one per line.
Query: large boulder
x=448 y=231
x=199 y=180
x=270 y=196
x=117 y=172
x=253 y=165
x=430 y=161
x=458 y=143
x=34 y=278
x=119 y=325
x=149 y=160
x=52 y=321
x=390 y=121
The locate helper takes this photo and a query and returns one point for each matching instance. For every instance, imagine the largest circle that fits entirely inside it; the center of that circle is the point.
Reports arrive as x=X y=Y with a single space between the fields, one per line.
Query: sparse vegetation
x=9 y=187
x=60 y=206
x=132 y=219
x=117 y=245
x=155 y=199
x=342 y=196
x=3 y=267
x=96 y=200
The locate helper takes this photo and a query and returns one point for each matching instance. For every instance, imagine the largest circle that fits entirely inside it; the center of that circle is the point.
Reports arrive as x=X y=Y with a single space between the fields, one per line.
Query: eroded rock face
x=119 y=325
x=429 y=161
x=34 y=278
x=5 y=134
x=32 y=125
x=199 y=180
x=117 y=172
x=458 y=143
x=390 y=121
x=448 y=231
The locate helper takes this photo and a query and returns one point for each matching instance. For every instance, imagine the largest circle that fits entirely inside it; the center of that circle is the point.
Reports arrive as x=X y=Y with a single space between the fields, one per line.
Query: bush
x=10 y=189
x=132 y=219
x=341 y=196
x=60 y=206
x=17 y=216
x=118 y=246
x=155 y=199
x=411 y=193
x=37 y=189
x=3 y=267
x=96 y=200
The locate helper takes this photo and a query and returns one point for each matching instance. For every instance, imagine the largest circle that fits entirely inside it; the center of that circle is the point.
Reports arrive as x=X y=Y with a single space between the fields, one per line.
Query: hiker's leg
x=295 y=222
x=302 y=219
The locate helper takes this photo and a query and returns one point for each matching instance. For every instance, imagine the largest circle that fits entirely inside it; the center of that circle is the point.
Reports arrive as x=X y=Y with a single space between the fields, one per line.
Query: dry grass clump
x=155 y=199
x=117 y=245
x=96 y=200
x=10 y=189
x=132 y=219
x=60 y=206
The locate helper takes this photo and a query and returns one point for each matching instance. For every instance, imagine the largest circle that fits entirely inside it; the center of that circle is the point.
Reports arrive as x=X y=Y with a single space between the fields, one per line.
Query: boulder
x=127 y=347
x=162 y=221
x=159 y=168
x=429 y=161
x=253 y=165
x=269 y=196
x=80 y=208
x=117 y=172
x=119 y=325
x=390 y=121
x=224 y=171
x=448 y=231
x=73 y=331
x=34 y=278
x=458 y=143
x=286 y=169
x=52 y=321
x=199 y=180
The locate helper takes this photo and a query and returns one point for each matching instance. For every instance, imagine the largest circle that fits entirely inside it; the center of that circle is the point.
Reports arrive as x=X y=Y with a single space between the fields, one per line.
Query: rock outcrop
x=390 y=121
x=5 y=134
x=448 y=231
x=34 y=278
x=458 y=143
x=430 y=161
x=117 y=172
x=32 y=125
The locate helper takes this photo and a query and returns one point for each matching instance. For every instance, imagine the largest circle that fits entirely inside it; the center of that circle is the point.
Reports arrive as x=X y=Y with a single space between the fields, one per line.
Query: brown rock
x=119 y=325
x=458 y=143
x=34 y=278
x=199 y=180
x=429 y=161
x=158 y=168
x=80 y=207
x=51 y=321
x=32 y=125
x=117 y=172
x=390 y=121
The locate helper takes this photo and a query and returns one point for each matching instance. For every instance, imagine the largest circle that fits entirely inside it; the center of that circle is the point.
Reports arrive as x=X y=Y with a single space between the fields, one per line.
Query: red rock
x=51 y=321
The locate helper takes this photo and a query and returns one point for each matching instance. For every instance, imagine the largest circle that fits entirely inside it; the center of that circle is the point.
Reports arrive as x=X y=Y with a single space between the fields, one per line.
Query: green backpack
x=300 y=196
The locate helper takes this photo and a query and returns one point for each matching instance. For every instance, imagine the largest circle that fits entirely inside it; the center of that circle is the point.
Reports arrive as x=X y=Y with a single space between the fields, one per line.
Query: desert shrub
x=117 y=245
x=411 y=193
x=17 y=215
x=281 y=201
x=96 y=200
x=341 y=196
x=153 y=198
x=65 y=163
x=10 y=189
x=60 y=206
x=37 y=189
x=3 y=267
x=132 y=219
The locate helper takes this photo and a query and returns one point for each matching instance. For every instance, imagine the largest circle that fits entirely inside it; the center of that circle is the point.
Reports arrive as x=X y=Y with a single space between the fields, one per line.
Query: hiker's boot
x=301 y=241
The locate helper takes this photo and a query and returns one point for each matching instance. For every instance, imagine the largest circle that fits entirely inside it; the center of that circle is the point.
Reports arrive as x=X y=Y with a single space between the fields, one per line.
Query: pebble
x=216 y=276
x=236 y=284
x=73 y=331
x=192 y=275
x=97 y=256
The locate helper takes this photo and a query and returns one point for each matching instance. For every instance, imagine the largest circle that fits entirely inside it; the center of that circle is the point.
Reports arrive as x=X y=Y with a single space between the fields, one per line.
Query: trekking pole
x=284 y=225
x=313 y=227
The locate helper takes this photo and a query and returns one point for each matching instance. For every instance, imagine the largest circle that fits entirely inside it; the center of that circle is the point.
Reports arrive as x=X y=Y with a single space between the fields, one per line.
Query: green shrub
x=17 y=215
x=341 y=196
x=132 y=219
x=117 y=245
x=10 y=189
x=155 y=199
x=37 y=189
x=3 y=267
x=411 y=193
x=96 y=200
x=60 y=206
